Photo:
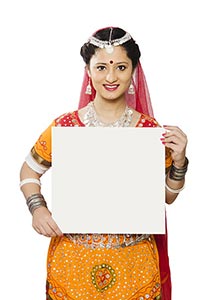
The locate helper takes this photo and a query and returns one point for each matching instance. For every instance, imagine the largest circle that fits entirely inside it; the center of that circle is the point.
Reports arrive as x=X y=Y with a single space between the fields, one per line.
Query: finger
x=44 y=229
x=173 y=139
x=176 y=149
x=54 y=227
x=39 y=230
x=44 y=224
x=175 y=143
x=174 y=130
x=173 y=147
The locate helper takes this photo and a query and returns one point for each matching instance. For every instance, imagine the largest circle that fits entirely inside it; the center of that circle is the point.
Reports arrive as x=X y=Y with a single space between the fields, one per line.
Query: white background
x=40 y=76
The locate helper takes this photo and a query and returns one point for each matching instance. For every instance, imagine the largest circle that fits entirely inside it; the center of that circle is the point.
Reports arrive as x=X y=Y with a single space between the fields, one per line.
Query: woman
x=96 y=266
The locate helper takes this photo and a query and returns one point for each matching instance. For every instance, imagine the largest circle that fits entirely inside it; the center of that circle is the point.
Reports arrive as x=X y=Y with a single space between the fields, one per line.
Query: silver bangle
x=35 y=201
x=174 y=191
x=178 y=174
x=30 y=180
x=34 y=196
x=36 y=205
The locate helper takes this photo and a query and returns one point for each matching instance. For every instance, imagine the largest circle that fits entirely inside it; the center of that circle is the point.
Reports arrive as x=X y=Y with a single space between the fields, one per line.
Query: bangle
x=33 y=197
x=178 y=174
x=30 y=180
x=174 y=191
x=35 y=201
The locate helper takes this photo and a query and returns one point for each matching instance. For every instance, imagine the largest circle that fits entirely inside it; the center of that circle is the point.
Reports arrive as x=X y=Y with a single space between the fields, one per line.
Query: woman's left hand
x=176 y=140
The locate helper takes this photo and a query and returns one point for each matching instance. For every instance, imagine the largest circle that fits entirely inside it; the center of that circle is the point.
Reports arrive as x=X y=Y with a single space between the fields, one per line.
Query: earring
x=131 y=89
x=88 y=90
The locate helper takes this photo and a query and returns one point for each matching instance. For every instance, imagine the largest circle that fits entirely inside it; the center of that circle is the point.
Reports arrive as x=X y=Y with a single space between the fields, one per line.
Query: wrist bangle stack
x=35 y=201
x=178 y=174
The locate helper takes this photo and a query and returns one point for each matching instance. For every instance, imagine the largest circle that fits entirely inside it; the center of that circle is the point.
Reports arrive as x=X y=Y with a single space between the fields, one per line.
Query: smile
x=111 y=87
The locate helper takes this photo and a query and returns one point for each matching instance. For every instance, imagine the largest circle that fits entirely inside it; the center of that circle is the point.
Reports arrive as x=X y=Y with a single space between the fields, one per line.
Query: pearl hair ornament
x=109 y=45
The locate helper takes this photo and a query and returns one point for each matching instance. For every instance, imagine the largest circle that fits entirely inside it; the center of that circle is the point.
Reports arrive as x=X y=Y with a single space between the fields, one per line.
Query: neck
x=109 y=110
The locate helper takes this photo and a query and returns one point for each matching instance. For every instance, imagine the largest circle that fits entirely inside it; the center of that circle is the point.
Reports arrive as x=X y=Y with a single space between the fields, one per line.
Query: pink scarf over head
x=140 y=100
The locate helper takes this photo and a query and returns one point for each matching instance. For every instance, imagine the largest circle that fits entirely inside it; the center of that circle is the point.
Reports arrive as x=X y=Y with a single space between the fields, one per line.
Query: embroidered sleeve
x=146 y=121
x=69 y=119
x=40 y=156
x=41 y=151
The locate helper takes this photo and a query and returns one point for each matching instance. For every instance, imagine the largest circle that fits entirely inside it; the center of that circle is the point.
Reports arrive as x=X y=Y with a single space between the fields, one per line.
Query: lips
x=111 y=87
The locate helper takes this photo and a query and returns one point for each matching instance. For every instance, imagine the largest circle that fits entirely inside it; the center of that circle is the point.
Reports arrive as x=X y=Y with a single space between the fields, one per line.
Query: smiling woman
x=106 y=266
x=110 y=80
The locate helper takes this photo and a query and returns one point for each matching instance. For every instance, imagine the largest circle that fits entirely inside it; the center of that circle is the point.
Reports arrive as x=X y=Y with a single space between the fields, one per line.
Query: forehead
x=118 y=55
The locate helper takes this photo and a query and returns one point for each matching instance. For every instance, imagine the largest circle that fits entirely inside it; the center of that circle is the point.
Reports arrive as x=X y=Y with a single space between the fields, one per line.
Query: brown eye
x=101 y=68
x=121 y=67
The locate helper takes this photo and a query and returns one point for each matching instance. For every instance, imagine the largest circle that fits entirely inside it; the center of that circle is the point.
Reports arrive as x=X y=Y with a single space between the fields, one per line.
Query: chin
x=115 y=98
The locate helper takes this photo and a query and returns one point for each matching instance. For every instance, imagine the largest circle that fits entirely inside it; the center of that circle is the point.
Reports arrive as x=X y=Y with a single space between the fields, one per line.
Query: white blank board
x=108 y=180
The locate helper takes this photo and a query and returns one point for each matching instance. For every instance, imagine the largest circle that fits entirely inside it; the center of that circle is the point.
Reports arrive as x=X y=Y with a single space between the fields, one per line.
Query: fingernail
x=162 y=140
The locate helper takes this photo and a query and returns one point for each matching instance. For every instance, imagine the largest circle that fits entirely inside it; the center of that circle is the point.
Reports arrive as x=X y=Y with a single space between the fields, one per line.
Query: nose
x=111 y=76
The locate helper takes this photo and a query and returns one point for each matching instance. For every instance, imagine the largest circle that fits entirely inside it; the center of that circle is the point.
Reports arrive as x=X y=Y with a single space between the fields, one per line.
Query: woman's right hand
x=44 y=224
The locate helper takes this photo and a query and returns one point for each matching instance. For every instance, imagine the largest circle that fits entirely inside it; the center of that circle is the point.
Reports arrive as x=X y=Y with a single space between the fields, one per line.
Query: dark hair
x=132 y=49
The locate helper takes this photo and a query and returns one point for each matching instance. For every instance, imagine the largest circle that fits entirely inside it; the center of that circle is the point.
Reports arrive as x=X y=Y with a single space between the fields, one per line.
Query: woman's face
x=110 y=73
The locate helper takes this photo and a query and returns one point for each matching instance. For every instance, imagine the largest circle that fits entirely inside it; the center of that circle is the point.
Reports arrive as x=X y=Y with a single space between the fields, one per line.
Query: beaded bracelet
x=35 y=201
x=178 y=174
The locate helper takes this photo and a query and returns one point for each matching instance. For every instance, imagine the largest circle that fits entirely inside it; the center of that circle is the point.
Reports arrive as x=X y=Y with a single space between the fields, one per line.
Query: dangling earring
x=131 y=89
x=88 y=90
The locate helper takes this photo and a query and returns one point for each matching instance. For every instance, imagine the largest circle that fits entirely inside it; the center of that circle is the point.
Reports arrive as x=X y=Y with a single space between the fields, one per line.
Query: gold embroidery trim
x=39 y=159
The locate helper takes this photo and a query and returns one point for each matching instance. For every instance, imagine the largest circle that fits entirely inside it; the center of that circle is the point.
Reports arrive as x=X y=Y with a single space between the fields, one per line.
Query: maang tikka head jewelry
x=110 y=44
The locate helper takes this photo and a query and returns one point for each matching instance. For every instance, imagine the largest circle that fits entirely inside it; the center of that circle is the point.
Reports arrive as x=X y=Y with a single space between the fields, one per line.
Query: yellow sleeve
x=42 y=151
x=168 y=159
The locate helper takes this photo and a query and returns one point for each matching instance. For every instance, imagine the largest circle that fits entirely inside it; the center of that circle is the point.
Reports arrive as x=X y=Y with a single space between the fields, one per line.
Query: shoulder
x=147 y=121
x=68 y=119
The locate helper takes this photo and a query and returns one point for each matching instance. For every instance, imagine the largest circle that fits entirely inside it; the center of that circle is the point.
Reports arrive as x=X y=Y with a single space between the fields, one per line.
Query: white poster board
x=108 y=180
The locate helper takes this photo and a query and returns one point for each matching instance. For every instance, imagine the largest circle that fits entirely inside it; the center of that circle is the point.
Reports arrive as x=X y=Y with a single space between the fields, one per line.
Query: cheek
x=97 y=78
x=126 y=80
